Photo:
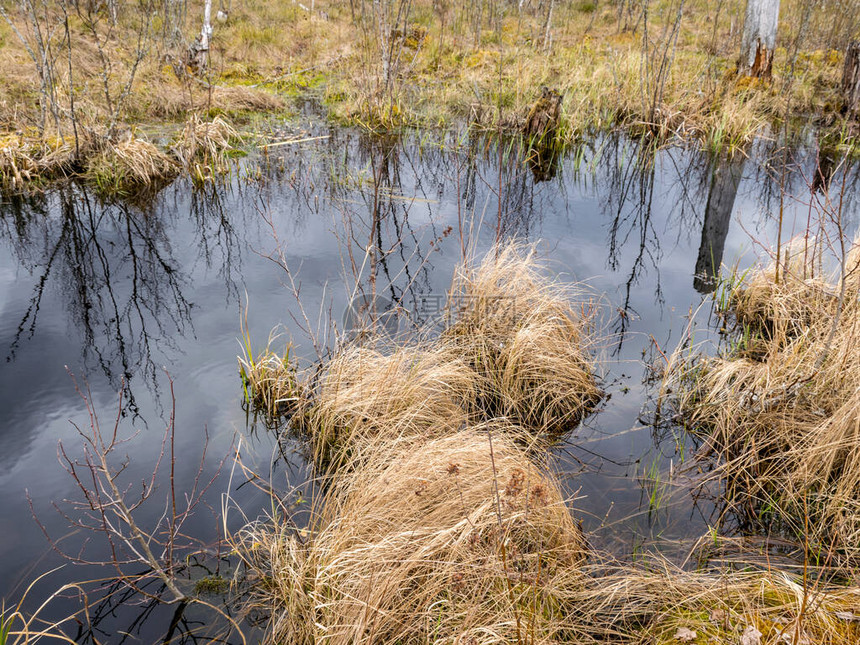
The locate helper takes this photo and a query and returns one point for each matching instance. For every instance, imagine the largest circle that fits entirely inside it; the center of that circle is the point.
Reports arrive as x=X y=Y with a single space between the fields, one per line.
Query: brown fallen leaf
x=792 y=638
x=685 y=635
x=751 y=636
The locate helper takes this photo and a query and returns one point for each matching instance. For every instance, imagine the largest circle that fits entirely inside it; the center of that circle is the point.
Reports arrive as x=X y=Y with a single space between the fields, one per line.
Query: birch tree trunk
x=851 y=78
x=759 y=40
x=199 y=51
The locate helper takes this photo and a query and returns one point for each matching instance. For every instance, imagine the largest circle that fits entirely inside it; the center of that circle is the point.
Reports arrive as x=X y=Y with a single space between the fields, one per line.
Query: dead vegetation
x=120 y=166
x=667 y=68
x=463 y=539
x=203 y=146
x=516 y=346
x=460 y=537
x=269 y=379
x=779 y=407
x=437 y=523
x=129 y=166
x=26 y=160
x=409 y=393
x=525 y=335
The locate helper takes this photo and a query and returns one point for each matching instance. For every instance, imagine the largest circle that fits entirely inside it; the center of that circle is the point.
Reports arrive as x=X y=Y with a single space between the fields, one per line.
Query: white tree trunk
x=199 y=51
x=759 y=40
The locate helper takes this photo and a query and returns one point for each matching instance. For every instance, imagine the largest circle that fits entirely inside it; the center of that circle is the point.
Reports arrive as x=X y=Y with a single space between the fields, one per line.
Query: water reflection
x=118 y=269
x=114 y=266
x=130 y=284
x=825 y=167
x=725 y=178
x=633 y=170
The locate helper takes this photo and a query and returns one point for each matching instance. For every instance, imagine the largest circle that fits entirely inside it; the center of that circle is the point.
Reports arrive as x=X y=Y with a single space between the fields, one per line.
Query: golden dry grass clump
x=411 y=392
x=515 y=348
x=662 y=603
x=780 y=407
x=127 y=166
x=26 y=159
x=159 y=99
x=457 y=539
x=202 y=146
x=526 y=339
x=785 y=308
x=460 y=540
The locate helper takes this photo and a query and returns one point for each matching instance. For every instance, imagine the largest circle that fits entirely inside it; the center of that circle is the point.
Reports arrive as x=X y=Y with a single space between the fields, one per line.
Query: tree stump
x=540 y=128
x=851 y=78
x=198 y=53
x=759 y=39
x=544 y=116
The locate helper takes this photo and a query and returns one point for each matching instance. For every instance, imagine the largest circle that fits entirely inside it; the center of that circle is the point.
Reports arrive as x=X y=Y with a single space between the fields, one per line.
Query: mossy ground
x=447 y=62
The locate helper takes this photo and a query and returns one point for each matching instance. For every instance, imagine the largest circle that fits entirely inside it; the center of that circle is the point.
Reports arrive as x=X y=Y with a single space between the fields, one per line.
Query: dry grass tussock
x=456 y=539
x=781 y=406
x=128 y=166
x=25 y=159
x=463 y=539
x=436 y=523
x=205 y=143
x=526 y=337
x=408 y=393
x=120 y=166
x=171 y=100
x=516 y=348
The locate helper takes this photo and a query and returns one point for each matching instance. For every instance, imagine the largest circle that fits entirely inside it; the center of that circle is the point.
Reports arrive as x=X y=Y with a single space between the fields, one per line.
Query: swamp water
x=121 y=292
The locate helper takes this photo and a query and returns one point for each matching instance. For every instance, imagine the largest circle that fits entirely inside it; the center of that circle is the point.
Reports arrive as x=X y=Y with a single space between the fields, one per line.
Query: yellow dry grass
x=128 y=166
x=463 y=539
x=27 y=159
x=780 y=408
x=487 y=63
x=203 y=146
x=516 y=348
x=408 y=393
x=456 y=539
x=525 y=336
x=438 y=522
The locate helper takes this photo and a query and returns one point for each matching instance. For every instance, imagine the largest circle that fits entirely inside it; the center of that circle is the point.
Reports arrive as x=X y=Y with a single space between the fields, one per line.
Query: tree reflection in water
x=726 y=175
x=114 y=265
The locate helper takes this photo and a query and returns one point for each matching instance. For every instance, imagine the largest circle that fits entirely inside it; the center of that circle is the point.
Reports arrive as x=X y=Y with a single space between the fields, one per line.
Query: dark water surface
x=120 y=292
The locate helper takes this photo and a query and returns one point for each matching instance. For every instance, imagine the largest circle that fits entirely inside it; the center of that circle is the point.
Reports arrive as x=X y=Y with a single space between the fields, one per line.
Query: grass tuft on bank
x=457 y=537
x=778 y=408
x=516 y=345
